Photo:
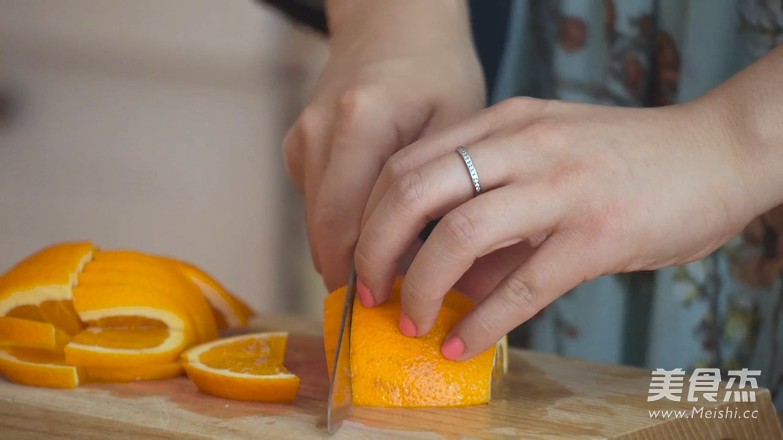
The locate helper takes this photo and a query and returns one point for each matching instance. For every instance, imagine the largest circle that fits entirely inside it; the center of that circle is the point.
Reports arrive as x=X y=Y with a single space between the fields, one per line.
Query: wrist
x=399 y=25
x=749 y=110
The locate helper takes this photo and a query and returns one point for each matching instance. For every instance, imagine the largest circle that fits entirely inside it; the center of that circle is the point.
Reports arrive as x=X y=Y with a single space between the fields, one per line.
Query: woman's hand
x=397 y=70
x=569 y=192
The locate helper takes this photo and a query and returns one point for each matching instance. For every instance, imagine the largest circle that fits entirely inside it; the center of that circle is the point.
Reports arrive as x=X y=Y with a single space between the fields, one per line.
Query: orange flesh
x=243 y=368
x=15 y=332
x=33 y=313
x=249 y=356
x=220 y=320
x=136 y=338
x=62 y=315
x=37 y=356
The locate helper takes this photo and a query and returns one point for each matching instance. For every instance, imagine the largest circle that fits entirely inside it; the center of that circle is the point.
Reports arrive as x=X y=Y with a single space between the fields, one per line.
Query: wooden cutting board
x=543 y=397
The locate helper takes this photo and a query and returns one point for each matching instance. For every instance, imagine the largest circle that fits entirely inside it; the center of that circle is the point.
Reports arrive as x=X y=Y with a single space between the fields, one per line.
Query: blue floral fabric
x=723 y=311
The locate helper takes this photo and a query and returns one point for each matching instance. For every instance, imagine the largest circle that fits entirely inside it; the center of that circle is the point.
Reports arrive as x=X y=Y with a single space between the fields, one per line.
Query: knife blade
x=340 y=397
x=339 y=402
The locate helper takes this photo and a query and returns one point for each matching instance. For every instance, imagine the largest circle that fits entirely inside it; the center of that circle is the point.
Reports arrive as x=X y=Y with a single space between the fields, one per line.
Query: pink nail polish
x=407 y=327
x=364 y=294
x=453 y=348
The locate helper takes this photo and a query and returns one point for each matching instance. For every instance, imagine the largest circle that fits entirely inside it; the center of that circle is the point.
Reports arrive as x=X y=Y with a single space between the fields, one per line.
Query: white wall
x=152 y=125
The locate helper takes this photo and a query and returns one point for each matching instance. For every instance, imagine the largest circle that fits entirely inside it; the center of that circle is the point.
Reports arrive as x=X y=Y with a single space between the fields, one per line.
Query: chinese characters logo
x=670 y=384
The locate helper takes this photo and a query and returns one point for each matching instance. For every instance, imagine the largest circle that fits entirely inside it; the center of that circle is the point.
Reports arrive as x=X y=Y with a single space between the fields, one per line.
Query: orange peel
x=392 y=370
x=38 y=368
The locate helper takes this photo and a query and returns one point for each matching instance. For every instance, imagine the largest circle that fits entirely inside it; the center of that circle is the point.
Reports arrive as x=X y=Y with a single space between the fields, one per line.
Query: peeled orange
x=392 y=370
x=246 y=367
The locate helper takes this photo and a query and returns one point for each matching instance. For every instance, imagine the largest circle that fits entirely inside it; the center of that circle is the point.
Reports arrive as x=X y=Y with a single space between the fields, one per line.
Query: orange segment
x=247 y=367
x=134 y=268
x=392 y=370
x=128 y=305
x=132 y=374
x=16 y=332
x=40 y=287
x=115 y=347
x=38 y=368
x=61 y=314
x=40 y=293
x=229 y=311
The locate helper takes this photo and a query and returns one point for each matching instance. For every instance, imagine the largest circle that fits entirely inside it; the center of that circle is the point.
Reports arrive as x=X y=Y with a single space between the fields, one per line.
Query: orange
x=129 y=326
x=132 y=374
x=39 y=368
x=15 y=332
x=118 y=347
x=128 y=267
x=229 y=311
x=125 y=306
x=392 y=370
x=39 y=288
x=246 y=367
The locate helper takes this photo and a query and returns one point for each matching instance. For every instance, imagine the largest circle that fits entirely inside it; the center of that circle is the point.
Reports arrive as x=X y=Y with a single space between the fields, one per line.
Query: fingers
x=424 y=194
x=517 y=111
x=556 y=267
x=364 y=137
x=369 y=124
x=495 y=220
x=488 y=271
x=305 y=161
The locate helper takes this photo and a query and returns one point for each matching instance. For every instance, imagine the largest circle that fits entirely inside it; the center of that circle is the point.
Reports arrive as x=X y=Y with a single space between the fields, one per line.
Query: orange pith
x=15 y=332
x=247 y=367
x=389 y=369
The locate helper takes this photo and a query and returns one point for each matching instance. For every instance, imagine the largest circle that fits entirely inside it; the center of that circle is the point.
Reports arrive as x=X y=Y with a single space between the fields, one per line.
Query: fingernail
x=453 y=348
x=364 y=294
x=407 y=327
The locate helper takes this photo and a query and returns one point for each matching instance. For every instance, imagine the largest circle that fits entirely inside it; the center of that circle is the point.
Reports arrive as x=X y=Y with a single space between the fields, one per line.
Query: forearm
x=751 y=105
x=404 y=24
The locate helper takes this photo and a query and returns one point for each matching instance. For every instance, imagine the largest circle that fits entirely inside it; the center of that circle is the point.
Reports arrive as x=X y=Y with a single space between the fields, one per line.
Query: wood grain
x=543 y=397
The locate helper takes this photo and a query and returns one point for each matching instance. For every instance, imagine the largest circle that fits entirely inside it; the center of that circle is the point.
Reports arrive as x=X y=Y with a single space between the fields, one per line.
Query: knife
x=340 y=397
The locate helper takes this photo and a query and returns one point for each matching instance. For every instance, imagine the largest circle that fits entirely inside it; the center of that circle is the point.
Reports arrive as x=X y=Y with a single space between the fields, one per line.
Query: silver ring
x=463 y=152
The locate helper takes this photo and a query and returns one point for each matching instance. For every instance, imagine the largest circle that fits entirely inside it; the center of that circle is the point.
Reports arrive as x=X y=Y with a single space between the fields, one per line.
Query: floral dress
x=723 y=311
